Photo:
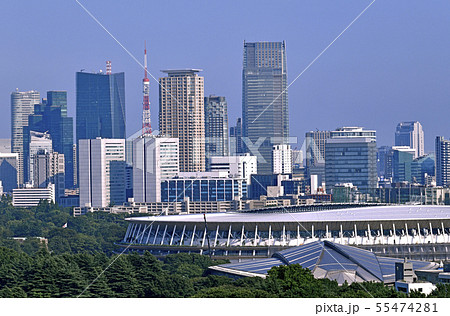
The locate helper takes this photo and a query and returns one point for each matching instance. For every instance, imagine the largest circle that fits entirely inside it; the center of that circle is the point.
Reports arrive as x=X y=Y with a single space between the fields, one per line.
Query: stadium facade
x=402 y=231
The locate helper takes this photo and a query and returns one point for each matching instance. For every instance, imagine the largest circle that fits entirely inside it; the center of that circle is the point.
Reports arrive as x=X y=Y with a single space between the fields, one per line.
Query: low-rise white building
x=29 y=196
x=242 y=166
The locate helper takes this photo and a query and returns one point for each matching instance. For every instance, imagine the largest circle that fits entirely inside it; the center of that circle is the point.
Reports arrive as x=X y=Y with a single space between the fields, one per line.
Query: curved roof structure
x=364 y=214
x=327 y=260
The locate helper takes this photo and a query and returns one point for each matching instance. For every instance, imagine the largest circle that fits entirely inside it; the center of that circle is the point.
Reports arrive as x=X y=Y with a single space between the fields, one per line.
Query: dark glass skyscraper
x=100 y=105
x=51 y=116
x=265 y=119
x=216 y=127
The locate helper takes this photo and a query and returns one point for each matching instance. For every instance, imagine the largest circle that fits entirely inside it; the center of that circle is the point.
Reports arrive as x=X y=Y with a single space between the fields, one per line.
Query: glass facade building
x=100 y=105
x=51 y=116
x=216 y=127
x=265 y=120
x=351 y=157
x=410 y=134
x=201 y=190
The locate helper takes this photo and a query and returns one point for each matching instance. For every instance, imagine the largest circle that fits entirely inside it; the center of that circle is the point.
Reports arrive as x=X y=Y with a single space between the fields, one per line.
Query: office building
x=51 y=116
x=202 y=187
x=102 y=172
x=442 y=161
x=282 y=159
x=29 y=196
x=9 y=171
x=216 y=127
x=265 y=118
x=236 y=138
x=410 y=134
x=402 y=159
x=384 y=163
x=75 y=165
x=181 y=115
x=38 y=142
x=22 y=105
x=315 y=154
x=100 y=99
x=48 y=167
x=242 y=166
x=423 y=169
x=351 y=157
x=155 y=158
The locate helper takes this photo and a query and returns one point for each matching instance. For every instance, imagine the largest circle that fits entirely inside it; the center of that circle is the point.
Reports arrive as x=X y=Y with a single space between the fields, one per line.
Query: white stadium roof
x=363 y=214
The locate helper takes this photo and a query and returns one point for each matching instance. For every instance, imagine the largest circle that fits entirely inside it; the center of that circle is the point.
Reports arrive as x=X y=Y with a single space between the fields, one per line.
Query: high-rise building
x=282 y=159
x=100 y=99
x=48 y=167
x=442 y=161
x=424 y=168
x=39 y=142
x=242 y=166
x=51 y=116
x=236 y=138
x=8 y=171
x=216 y=127
x=410 y=134
x=5 y=145
x=384 y=163
x=22 y=105
x=265 y=119
x=315 y=154
x=402 y=159
x=102 y=171
x=181 y=115
x=155 y=159
x=351 y=157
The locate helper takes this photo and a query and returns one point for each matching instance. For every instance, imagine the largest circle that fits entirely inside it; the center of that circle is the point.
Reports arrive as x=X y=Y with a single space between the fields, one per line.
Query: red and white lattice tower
x=108 y=67
x=146 y=123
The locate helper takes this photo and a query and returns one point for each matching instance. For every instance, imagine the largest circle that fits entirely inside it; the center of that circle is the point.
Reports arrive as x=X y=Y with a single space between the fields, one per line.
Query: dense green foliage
x=79 y=261
x=91 y=233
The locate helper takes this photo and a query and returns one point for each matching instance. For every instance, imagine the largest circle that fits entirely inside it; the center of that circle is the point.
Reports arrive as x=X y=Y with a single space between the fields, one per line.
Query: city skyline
x=349 y=76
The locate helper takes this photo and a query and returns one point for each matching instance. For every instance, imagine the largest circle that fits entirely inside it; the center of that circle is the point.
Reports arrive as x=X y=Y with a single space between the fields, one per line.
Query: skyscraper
x=51 y=116
x=22 y=105
x=351 y=157
x=402 y=160
x=154 y=159
x=102 y=171
x=100 y=105
x=410 y=134
x=181 y=115
x=442 y=161
x=236 y=138
x=315 y=154
x=265 y=119
x=216 y=127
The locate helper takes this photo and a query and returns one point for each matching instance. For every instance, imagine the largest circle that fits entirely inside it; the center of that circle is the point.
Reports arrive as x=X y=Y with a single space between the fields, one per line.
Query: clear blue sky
x=392 y=65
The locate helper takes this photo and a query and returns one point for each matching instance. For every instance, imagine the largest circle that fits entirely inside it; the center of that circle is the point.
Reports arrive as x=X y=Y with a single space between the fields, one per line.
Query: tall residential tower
x=181 y=115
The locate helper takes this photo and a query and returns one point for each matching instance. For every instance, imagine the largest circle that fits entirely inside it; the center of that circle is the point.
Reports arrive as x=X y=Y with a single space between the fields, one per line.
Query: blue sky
x=392 y=65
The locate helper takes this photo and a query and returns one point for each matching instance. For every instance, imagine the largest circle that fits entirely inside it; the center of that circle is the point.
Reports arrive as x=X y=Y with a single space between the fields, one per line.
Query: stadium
x=418 y=232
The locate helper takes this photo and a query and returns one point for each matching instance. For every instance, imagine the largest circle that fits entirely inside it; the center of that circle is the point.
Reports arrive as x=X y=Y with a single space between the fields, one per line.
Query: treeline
x=177 y=276
x=91 y=233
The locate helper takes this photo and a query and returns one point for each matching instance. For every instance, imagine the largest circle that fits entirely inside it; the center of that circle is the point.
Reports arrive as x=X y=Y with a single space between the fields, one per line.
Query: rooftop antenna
x=108 y=67
x=146 y=121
